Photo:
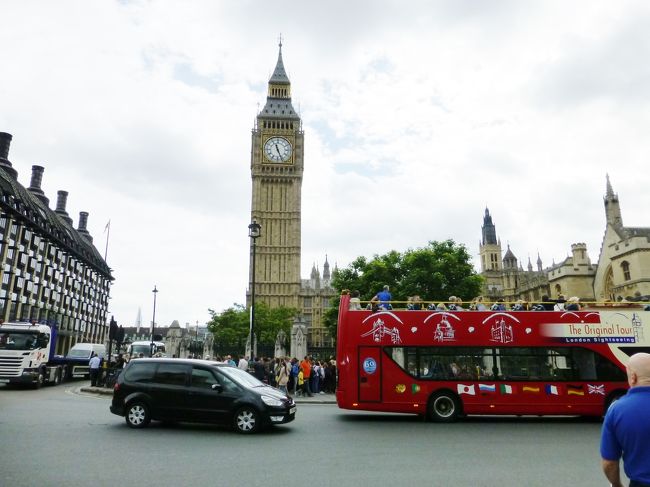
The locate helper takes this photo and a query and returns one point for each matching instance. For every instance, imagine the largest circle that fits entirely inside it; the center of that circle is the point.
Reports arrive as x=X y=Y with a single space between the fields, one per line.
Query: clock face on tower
x=277 y=149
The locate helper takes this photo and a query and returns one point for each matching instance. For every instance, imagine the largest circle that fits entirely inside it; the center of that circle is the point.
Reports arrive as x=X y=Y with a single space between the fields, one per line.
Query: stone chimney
x=83 y=222
x=5 y=142
x=61 y=201
x=35 y=184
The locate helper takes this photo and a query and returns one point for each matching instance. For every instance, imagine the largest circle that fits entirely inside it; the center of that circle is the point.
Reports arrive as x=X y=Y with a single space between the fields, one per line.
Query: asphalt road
x=58 y=437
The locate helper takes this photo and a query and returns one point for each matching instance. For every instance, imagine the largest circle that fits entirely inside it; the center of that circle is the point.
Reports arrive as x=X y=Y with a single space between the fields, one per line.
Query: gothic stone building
x=622 y=271
x=277 y=165
x=49 y=271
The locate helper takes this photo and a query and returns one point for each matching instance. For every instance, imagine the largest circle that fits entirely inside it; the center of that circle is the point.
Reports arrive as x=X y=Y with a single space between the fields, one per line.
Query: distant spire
x=279 y=74
x=326 y=269
x=488 y=229
x=530 y=265
x=138 y=320
x=539 y=263
x=610 y=190
x=612 y=207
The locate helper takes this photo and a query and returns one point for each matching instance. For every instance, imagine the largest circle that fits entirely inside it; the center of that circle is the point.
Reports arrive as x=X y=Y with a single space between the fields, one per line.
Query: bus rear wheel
x=444 y=407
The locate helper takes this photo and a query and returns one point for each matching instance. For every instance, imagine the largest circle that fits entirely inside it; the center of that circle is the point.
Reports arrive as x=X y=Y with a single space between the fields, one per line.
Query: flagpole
x=108 y=235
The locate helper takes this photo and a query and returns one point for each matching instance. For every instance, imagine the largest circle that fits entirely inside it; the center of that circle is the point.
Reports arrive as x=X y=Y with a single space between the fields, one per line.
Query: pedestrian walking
x=283 y=377
x=305 y=367
x=626 y=428
x=93 y=364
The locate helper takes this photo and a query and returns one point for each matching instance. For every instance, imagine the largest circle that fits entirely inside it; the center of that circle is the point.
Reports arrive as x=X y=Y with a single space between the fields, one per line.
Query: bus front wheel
x=444 y=407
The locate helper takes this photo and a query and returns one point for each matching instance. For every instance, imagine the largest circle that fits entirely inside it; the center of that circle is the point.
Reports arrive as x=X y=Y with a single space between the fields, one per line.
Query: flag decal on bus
x=575 y=390
x=466 y=389
x=596 y=389
x=506 y=389
x=487 y=387
x=534 y=390
x=551 y=390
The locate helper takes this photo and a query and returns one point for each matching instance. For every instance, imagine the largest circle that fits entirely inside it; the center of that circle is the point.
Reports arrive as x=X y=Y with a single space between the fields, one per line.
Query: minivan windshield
x=242 y=377
x=79 y=353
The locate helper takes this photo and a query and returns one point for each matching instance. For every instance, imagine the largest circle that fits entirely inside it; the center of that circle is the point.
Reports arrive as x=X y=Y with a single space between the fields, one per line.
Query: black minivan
x=171 y=389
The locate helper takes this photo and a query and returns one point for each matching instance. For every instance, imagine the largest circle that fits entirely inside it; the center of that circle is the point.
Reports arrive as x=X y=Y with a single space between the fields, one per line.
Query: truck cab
x=25 y=350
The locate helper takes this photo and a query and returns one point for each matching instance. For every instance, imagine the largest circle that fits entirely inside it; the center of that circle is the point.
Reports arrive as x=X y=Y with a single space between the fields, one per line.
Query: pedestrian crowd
x=304 y=377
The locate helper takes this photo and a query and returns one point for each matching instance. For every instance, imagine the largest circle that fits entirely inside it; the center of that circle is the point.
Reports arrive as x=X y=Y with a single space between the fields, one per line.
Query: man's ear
x=633 y=378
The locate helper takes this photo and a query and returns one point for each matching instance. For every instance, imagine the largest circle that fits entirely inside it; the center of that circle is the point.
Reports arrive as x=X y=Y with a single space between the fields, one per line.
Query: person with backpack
x=295 y=369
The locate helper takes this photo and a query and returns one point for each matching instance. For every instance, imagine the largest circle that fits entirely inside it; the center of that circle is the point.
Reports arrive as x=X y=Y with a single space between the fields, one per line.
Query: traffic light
x=112 y=329
x=120 y=337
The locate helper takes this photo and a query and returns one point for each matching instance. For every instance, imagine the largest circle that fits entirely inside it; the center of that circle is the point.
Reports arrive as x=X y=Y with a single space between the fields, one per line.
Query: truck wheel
x=40 y=379
x=57 y=376
x=246 y=420
x=444 y=407
x=137 y=415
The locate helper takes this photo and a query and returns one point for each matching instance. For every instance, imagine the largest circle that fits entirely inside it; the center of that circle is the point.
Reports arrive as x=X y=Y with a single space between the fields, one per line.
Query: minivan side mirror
x=217 y=387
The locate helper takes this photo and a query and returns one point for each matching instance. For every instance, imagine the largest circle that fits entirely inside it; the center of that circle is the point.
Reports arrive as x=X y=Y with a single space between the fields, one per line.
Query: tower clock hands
x=277 y=149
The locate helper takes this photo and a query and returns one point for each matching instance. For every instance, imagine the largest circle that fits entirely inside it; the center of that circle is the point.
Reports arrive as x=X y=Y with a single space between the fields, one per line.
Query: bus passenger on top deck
x=573 y=304
x=415 y=303
x=499 y=305
x=478 y=304
x=382 y=298
x=355 y=302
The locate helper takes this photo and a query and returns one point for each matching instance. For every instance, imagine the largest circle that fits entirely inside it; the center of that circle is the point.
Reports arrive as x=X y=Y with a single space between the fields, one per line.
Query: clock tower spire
x=277 y=142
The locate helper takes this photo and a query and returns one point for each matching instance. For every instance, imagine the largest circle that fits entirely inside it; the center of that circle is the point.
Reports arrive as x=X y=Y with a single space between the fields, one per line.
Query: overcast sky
x=417 y=115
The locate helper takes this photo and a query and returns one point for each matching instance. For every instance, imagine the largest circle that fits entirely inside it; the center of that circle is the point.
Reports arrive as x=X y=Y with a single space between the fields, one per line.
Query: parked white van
x=79 y=356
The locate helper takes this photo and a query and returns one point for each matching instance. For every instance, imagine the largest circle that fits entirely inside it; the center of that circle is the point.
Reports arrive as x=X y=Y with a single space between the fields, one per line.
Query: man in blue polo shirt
x=382 y=298
x=626 y=428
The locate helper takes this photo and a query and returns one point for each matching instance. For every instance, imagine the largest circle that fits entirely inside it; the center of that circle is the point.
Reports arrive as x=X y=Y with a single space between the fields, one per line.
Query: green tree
x=434 y=272
x=230 y=327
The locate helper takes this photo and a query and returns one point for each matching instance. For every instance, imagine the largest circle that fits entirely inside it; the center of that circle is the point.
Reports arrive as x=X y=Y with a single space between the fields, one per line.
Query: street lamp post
x=153 y=320
x=254 y=231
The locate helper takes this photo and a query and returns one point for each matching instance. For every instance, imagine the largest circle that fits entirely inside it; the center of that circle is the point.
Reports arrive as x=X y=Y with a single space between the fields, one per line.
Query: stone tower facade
x=490 y=254
x=622 y=271
x=277 y=163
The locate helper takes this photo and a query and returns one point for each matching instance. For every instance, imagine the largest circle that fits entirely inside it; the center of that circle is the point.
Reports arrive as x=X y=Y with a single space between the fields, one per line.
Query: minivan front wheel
x=246 y=420
x=137 y=415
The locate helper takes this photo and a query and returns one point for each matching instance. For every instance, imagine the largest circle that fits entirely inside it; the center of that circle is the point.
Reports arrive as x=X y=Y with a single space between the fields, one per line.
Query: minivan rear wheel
x=137 y=415
x=246 y=420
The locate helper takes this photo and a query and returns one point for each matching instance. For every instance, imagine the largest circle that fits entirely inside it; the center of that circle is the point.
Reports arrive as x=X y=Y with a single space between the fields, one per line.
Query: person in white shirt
x=94 y=364
x=243 y=363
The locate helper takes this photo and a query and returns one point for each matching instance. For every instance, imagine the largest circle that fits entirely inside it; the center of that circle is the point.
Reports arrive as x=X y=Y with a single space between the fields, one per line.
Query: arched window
x=625 y=267
x=558 y=289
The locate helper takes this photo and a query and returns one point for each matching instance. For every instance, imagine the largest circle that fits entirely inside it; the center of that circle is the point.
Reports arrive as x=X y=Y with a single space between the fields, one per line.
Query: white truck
x=27 y=356
x=146 y=349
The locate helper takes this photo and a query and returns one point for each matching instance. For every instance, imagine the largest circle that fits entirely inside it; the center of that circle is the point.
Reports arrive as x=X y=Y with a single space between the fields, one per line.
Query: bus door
x=369 y=374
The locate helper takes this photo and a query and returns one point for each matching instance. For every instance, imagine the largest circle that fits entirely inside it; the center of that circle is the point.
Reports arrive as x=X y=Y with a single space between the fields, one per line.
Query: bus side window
x=585 y=363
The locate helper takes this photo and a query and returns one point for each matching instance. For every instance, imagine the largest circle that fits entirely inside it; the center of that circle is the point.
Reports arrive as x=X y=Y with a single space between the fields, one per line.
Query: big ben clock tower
x=277 y=145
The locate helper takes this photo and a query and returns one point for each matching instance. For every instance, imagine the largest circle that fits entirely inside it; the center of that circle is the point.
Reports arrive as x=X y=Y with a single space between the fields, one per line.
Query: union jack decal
x=596 y=389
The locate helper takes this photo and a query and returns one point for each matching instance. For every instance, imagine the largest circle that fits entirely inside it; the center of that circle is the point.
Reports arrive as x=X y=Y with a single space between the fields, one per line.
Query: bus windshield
x=144 y=349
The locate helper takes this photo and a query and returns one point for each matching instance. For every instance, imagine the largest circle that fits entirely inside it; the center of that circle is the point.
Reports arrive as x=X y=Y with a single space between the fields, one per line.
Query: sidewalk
x=315 y=399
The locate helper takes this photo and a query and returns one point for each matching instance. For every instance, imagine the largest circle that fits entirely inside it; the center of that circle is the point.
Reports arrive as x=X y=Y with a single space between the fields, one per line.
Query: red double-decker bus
x=444 y=364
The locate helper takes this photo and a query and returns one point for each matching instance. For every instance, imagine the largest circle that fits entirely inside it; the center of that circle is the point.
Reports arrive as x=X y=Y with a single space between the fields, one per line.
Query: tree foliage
x=231 y=326
x=434 y=272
